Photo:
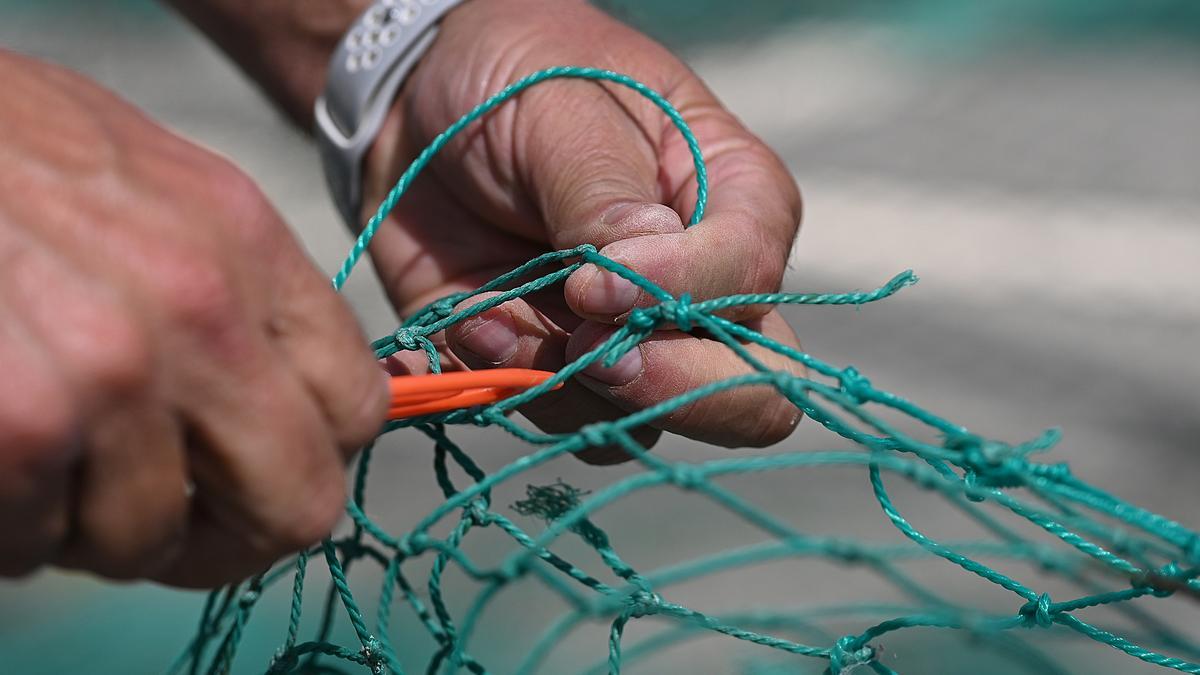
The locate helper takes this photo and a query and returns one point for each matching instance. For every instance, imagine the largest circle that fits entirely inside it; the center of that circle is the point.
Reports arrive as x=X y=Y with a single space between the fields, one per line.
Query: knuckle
x=132 y=547
x=118 y=358
x=198 y=293
x=38 y=426
x=347 y=383
x=313 y=517
x=237 y=190
x=307 y=507
x=364 y=420
x=248 y=210
x=235 y=199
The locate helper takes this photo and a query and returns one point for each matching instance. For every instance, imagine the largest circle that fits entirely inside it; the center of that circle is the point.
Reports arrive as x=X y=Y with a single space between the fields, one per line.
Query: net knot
x=442 y=308
x=989 y=464
x=1038 y=612
x=686 y=476
x=644 y=319
x=849 y=654
x=595 y=435
x=412 y=544
x=855 y=385
x=484 y=417
x=372 y=653
x=1160 y=583
x=789 y=385
x=284 y=662
x=679 y=311
x=406 y=339
x=1055 y=472
x=845 y=550
x=477 y=511
x=642 y=603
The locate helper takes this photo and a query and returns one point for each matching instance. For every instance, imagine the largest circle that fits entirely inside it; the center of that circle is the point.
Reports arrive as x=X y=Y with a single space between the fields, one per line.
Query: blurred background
x=1037 y=164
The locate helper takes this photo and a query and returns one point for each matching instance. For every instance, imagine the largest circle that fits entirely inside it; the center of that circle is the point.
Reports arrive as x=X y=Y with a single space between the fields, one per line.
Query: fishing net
x=1108 y=551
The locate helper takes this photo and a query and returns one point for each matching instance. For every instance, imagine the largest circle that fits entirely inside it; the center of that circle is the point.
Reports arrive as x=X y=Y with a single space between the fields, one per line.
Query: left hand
x=575 y=162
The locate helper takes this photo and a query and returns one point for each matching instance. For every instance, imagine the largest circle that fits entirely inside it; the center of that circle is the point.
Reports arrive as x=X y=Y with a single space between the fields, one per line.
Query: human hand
x=181 y=384
x=574 y=162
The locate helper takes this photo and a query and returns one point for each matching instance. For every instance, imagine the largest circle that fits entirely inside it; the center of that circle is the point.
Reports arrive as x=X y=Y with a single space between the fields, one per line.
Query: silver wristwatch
x=366 y=71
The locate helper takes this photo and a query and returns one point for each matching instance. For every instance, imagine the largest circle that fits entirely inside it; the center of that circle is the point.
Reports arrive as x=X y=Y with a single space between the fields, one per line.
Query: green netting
x=1110 y=550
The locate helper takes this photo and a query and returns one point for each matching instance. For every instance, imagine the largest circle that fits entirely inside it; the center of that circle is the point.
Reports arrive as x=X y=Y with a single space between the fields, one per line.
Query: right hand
x=180 y=385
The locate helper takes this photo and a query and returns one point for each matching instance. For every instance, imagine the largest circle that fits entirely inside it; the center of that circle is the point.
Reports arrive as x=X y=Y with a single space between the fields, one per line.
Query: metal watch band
x=365 y=72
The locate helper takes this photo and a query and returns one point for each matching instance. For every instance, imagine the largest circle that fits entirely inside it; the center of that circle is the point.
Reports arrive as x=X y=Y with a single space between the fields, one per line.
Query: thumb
x=592 y=168
x=590 y=164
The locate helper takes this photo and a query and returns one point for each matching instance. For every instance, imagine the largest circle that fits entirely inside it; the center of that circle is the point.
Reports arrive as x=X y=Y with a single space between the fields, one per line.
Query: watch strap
x=365 y=73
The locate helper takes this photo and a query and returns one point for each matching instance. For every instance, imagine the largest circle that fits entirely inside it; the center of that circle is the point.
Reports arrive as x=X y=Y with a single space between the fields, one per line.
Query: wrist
x=367 y=72
x=396 y=142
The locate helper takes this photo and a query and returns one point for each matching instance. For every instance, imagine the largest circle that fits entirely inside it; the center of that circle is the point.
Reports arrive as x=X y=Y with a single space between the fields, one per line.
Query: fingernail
x=608 y=294
x=623 y=372
x=494 y=340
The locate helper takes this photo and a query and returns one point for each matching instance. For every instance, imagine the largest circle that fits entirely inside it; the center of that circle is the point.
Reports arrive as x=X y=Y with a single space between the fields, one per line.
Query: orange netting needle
x=416 y=395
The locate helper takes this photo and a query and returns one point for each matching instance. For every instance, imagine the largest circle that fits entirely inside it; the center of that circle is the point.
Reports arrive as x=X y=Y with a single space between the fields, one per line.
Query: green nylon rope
x=1143 y=555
